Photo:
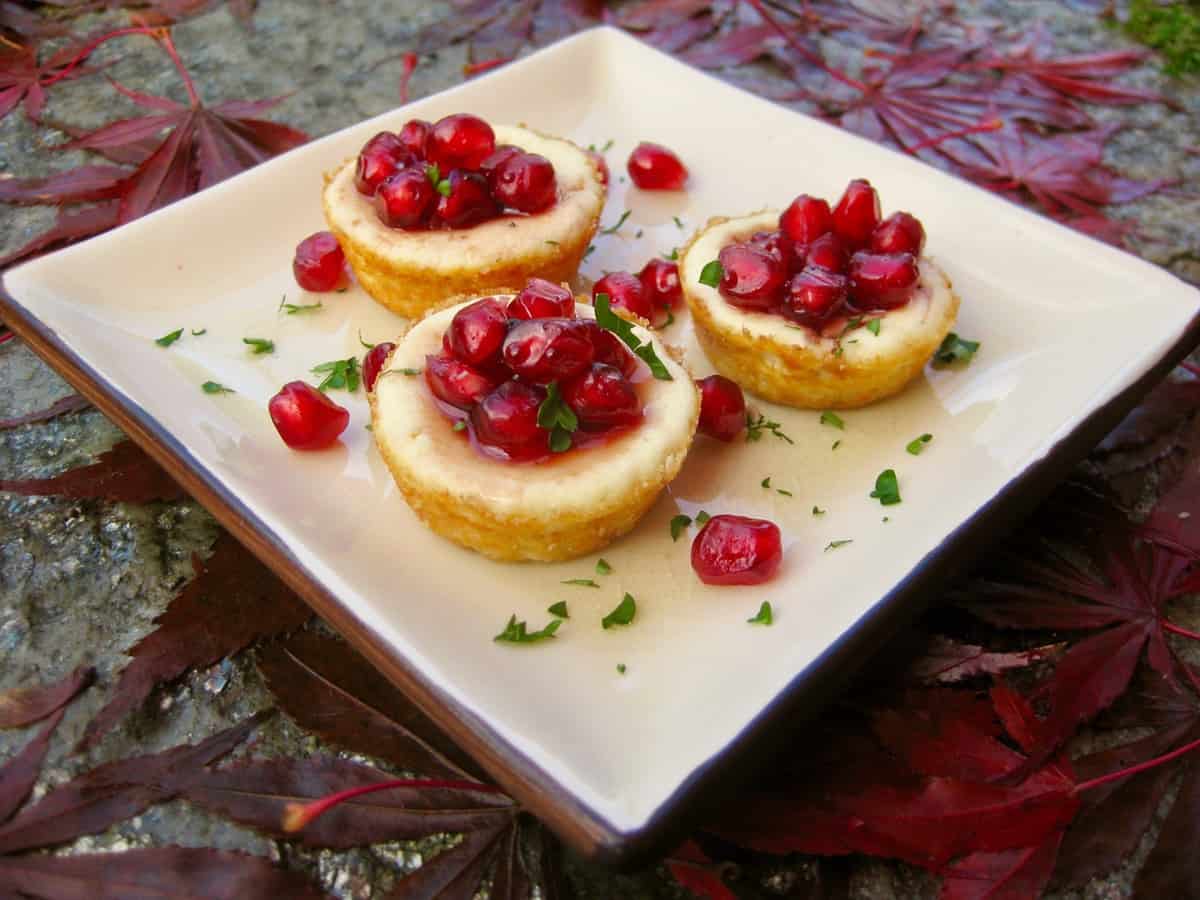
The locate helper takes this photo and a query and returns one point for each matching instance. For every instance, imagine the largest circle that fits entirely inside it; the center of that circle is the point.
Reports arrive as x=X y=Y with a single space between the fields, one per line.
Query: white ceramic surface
x=1065 y=324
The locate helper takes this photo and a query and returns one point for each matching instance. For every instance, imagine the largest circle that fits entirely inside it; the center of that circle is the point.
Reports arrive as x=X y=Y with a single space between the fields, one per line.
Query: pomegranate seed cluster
x=450 y=174
x=652 y=294
x=528 y=379
x=825 y=263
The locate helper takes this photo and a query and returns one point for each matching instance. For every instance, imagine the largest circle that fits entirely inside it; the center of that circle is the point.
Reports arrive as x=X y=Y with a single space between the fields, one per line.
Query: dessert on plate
x=522 y=426
x=817 y=307
x=459 y=207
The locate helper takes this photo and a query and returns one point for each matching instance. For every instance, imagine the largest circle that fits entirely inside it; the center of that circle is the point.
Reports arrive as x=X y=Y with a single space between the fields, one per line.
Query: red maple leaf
x=61 y=407
x=693 y=870
x=26 y=705
x=124 y=473
x=24 y=80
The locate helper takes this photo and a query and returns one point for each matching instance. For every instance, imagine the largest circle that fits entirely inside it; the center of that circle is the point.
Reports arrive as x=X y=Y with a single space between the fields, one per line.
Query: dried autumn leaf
x=233 y=600
x=68 y=404
x=26 y=705
x=123 y=474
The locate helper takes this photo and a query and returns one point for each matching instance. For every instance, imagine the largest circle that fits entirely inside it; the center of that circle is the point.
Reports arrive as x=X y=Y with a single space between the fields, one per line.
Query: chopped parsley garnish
x=851 y=324
x=836 y=444
x=887 y=488
x=610 y=321
x=443 y=187
x=196 y=333
x=756 y=427
x=764 y=616
x=782 y=491
x=556 y=417
x=887 y=518
x=712 y=273
x=603 y=568
x=582 y=582
x=559 y=609
x=551 y=243
x=916 y=445
x=293 y=309
x=588 y=251
x=168 y=339
x=678 y=523
x=259 y=345
x=607 y=146
x=673 y=255
x=832 y=418
x=340 y=375
x=623 y=614
x=873 y=326
x=638 y=233
x=213 y=387
x=678 y=222
x=517 y=633
x=766 y=482
x=833 y=545
x=433 y=173
x=460 y=425
x=954 y=349
x=817 y=511
x=620 y=668
x=612 y=229
x=702 y=518
x=409 y=372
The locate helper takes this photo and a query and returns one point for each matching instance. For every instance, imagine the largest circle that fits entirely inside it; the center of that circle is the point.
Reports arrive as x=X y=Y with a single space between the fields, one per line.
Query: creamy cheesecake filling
x=406 y=419
x=580 y=198
x=931 y=299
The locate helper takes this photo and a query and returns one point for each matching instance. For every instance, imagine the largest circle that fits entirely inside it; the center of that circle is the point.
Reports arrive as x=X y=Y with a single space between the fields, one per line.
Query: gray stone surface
x=82 y=581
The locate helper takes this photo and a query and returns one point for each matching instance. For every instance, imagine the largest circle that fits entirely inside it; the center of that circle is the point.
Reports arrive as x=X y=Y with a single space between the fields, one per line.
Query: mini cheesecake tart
x=427 y=255
x=532 y=503
x=800 y=336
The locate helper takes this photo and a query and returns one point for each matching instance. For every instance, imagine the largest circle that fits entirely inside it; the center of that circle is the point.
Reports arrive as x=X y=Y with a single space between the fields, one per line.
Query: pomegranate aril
x=413 y=136
x=814 y=295
x=373 y=361
x=625 y=291
x=498 y=156
x=545 y=350
x=660 y=281
x=806 y=219
x=775 y=244
x=405 y=200
x=722 y=408
x=750 y=277
x=380 y=157
x=319 y=264
x=608 y=348
x=468 y=201
x=601 y=165
x=857 y=214
x=456 y=383
x=507 y=416
x=602 y=398
x=826 y=252
x=305 y=418
x=737 y=550
x=655 y=168
x=900 y=232
x=477 y=331
x=524 y=182
x=460 y=141
x=542 y=299
x=882 y=280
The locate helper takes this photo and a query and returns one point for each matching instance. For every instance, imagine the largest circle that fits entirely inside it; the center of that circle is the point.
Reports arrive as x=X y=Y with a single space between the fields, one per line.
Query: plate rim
x=805 y=693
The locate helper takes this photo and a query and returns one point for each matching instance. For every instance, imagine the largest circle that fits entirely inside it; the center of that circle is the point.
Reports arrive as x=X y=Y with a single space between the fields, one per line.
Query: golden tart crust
x=412 y=272
x=785 y=363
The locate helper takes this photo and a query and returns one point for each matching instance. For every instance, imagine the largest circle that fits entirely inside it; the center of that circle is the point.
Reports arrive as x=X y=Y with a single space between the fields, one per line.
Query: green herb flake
x=702 y=518
x=916 y=445
x=678 y=524
x=610 y=321
x=678 y=222
x=831 y=418
x=582 y=582
x=433 y=173
x=817 y=511
x=603 y=568
x=954 y=349
x=873 y=326
x=764 y=616
x=559 y=419
x=620 y=668
x=551 y=243
x=168 y=339
x=673 y=255
x=202 y=331
x=517 y=633
x=295 y=309
x=712 y=273
x=613 y=229
x=638 y=233
x=443 y=187
x=258 y=346
x=836 y=444
x=756 y=427
x=460 y=425
x=887 y=488
x=782 y=491
x=213 y=387
x=623 y=614
x=588 y=251
x=833 y=545
x=408 y=372
x=559 y=609
x=766 y=482
x=340 y=375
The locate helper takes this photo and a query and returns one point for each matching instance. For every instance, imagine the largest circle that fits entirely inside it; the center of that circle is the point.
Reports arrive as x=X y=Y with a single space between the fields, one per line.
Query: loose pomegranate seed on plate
x=882 y=280
x=900 y=232
x=626 y=291
x=319 y=264
x=413 y=136
x=542 y=299
x=373 y=361
x=857 y=214
x=806 y=219
x=524 y=182
x=827 y=252
x=460 y=141
x=751 y=277
x=455 y=382
x=380 y=157
x=814 y=295
x=737 y=550
x=655 y=168
x=545 y=350
x=660 y=281
x=602 y=398
x=468 y=201
x=477 y=331
x=305 y=418
x=405 y=199
x=507 y=418
x=722 y=408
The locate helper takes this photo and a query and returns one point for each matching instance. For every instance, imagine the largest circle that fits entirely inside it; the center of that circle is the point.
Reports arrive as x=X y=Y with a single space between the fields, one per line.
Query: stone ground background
x=81 y=582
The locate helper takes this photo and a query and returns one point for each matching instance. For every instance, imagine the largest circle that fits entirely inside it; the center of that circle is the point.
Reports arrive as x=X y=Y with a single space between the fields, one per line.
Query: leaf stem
x=91 y=46
x=476 y=68
x=1182 y=632
x=168 y=44
x=977 y=128
x=1140 y=767
x=297 y=816
x=809 y=55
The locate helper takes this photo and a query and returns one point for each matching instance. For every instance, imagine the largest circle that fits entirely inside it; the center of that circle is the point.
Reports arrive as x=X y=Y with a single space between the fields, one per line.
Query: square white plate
x=1071 y=330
